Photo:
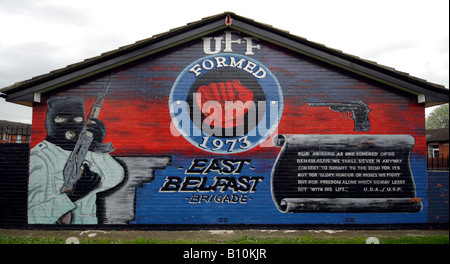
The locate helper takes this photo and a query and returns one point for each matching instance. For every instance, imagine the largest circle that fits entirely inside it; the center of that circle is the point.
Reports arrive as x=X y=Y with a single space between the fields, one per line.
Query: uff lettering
x=229 y=41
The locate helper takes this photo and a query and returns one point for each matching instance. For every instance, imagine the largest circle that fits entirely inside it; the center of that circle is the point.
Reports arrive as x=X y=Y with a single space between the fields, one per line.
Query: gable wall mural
x=227 y=129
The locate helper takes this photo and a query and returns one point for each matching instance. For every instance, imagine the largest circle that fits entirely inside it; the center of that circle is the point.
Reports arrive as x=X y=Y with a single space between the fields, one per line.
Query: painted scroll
x=344 y=173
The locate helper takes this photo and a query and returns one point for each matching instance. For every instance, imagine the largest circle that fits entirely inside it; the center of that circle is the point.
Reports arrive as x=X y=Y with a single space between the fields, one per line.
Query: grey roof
x=437 y=135
x=10 y=127
x=23 y=92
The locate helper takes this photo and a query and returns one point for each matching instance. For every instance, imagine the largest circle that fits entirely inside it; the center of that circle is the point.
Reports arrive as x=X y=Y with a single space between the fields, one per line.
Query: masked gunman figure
x=46 y=203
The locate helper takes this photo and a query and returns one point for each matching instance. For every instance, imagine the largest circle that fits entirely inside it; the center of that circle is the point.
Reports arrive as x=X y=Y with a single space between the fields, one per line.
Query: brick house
x=437 y=142
x=14 y=132
x=228 y=121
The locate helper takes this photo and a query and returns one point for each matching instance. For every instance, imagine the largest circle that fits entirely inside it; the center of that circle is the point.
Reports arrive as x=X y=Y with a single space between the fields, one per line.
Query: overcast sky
x=38 y=36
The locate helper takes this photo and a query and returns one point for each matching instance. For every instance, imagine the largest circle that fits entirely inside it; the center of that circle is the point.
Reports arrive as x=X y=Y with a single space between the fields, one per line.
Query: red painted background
x=137 y=117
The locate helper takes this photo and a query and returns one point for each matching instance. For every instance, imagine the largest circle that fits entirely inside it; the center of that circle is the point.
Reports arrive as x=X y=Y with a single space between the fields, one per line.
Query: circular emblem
x=226 y=103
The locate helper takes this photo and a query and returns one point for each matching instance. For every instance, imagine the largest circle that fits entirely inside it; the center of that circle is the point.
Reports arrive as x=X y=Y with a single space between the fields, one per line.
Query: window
x=433 y=150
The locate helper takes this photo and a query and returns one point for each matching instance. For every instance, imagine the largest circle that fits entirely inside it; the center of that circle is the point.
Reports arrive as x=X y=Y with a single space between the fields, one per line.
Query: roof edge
x=338 y=54
x=110 y=54
x=23 y=92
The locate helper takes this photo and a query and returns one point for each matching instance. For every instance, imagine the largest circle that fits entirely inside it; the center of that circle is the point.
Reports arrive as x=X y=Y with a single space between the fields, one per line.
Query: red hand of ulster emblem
x=224 y=103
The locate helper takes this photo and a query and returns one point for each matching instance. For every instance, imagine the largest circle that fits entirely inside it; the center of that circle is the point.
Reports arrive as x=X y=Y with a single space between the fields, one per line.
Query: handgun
x=356 y=110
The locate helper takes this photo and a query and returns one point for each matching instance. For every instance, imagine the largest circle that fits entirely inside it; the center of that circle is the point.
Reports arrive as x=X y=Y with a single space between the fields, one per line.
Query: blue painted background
x=154 y=207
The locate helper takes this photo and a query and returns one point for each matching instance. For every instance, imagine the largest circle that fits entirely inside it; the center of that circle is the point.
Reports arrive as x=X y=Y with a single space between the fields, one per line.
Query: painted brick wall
x=161 y=172
x=438 y=196
x=13 y=184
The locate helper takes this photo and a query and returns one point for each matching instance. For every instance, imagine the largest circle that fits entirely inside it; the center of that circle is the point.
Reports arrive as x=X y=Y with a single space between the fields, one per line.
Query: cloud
x=45 y=11
x=14 y=112
x=25 y=60
x=39 y=36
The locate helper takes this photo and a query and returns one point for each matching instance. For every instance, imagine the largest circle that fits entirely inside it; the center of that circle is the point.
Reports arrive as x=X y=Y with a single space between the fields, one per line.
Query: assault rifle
x=73 y=170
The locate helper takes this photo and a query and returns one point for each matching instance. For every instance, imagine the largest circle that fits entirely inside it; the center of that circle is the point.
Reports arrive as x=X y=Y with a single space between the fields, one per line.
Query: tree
x=438 y=118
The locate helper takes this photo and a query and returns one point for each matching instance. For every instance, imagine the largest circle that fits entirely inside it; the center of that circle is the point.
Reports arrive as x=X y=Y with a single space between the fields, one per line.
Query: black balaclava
x=64 y=121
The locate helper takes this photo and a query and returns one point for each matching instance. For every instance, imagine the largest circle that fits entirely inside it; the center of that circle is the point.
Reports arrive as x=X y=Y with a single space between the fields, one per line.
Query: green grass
x=4 y=239
x=356 y=240
x=29 y=240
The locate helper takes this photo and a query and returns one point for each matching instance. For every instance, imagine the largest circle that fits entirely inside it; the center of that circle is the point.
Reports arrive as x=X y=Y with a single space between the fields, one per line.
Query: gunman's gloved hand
x=98 y=128
x=88 y=182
